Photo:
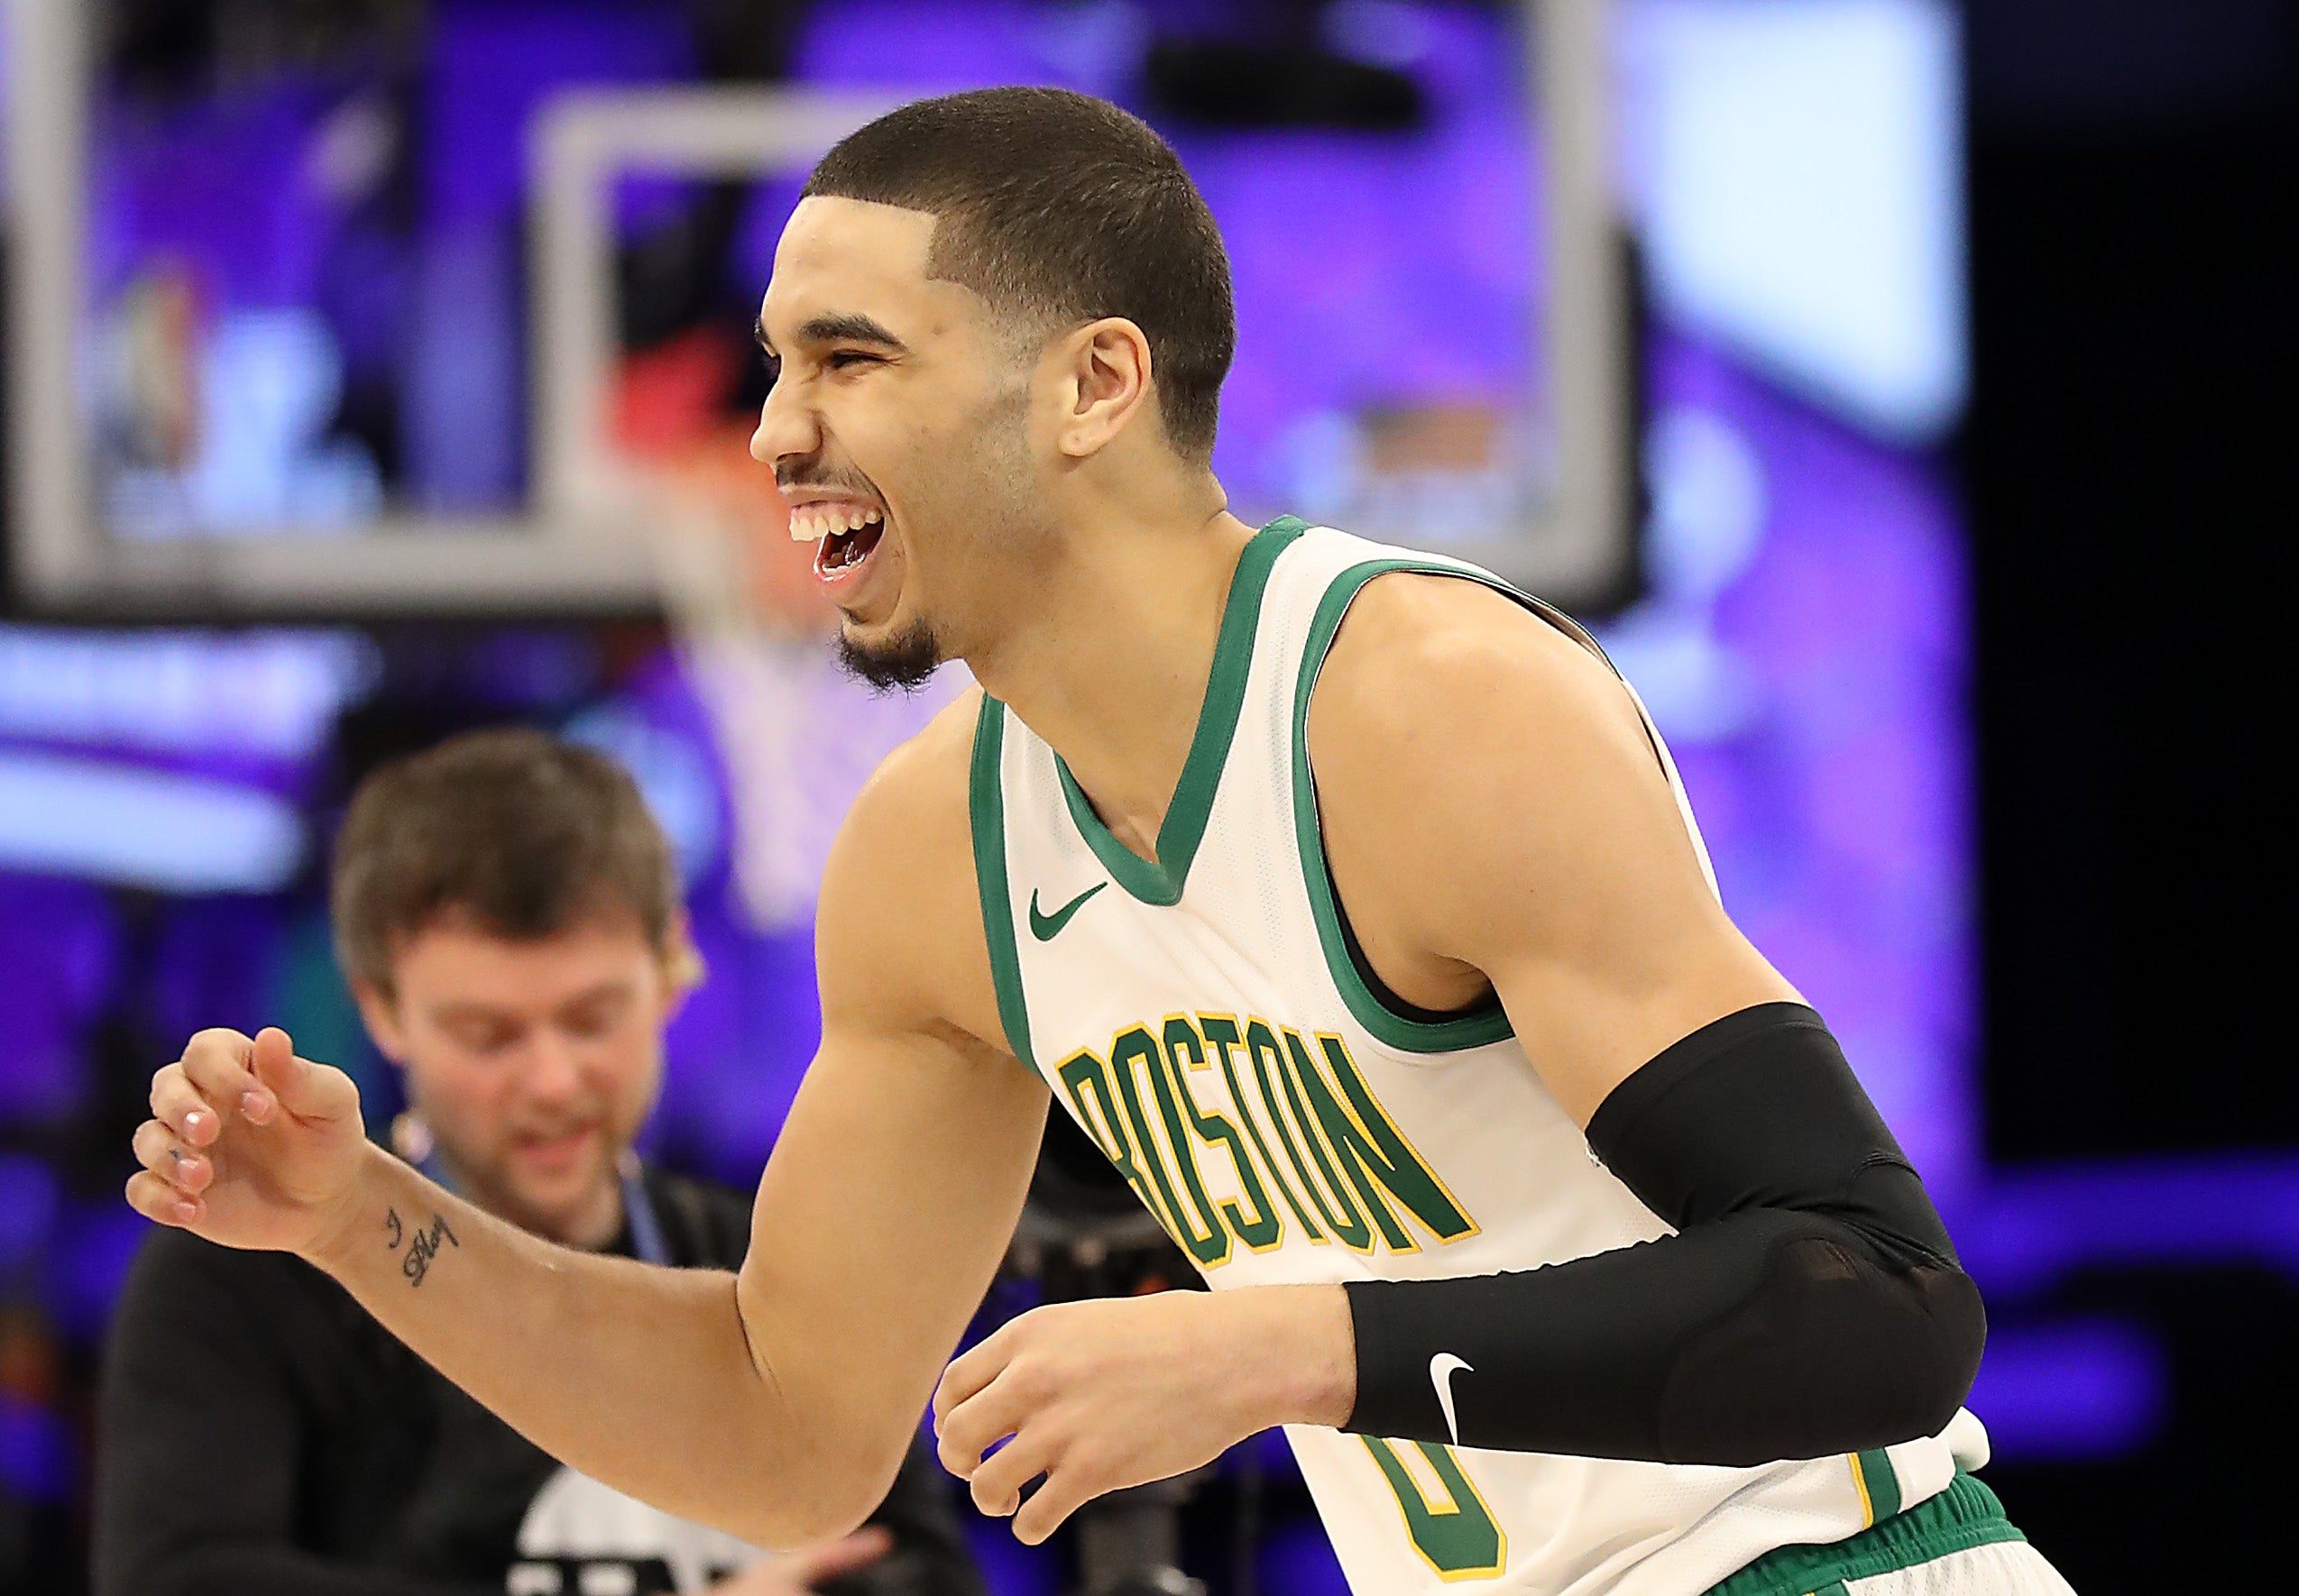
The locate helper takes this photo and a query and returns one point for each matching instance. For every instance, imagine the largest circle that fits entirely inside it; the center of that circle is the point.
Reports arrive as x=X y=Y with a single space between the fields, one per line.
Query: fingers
x=219 y=1065
x=968 y=1374
x=176 y=1103
x=307 y=1091
x=827 y=1561
x=978 y=1424
x=158 y=1150
x=997 y=1482
x=1069 y=1486
x=223 y=1071
x=162 y=1200
x=987 y=1395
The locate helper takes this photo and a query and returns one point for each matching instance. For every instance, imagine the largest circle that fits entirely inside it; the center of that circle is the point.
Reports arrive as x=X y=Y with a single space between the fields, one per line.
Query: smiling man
x=507 y=915
x=1345 y=896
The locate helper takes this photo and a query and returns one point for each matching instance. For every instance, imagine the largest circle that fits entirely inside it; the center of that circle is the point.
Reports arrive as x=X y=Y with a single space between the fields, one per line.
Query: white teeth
x=811 y=523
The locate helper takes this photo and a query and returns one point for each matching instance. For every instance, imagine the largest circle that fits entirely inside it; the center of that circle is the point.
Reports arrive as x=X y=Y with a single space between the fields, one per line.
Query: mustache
x=807 y=473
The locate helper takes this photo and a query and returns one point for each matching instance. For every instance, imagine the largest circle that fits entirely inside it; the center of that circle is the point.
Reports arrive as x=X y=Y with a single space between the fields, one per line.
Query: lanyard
x=638 y=1212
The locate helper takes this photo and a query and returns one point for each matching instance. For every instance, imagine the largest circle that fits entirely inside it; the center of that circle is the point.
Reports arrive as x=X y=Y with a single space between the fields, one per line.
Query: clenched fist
x=248 y=1145
x=1098 y=1396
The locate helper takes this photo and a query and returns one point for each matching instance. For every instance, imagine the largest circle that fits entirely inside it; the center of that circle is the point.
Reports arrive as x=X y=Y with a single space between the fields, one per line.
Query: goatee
x=901 y=663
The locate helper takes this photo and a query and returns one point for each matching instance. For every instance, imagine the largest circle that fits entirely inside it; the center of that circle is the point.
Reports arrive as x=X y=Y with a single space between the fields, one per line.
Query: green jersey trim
x=1159 y=881
x=986 y=798
x=1475 y=1029
x=1963 y=1516
x=1878 y=1482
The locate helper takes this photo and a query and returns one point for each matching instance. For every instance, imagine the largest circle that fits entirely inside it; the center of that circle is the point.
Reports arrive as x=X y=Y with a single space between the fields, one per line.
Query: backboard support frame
x=580 y=547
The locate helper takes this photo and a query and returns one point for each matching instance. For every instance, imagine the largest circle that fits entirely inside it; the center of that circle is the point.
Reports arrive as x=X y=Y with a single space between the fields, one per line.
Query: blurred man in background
x=508 y=914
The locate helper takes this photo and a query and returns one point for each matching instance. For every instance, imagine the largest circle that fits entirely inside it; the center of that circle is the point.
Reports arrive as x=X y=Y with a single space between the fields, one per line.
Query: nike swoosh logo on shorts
x=1441 y=1369
x=1046 y=927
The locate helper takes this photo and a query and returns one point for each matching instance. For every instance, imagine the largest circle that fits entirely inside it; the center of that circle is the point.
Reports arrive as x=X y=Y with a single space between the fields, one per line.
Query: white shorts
x=1957 y=1542
x=2006 y=1568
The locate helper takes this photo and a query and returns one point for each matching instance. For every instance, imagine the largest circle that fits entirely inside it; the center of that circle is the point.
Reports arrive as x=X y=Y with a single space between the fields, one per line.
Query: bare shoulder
x=1496 y=818
x=898 y=930
x=1476 y=767
x=1469 y=685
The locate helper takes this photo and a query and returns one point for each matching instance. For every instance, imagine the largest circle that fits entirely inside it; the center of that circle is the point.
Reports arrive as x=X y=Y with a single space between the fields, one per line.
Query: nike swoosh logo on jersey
x=1441 y=1369
x=1046 y=927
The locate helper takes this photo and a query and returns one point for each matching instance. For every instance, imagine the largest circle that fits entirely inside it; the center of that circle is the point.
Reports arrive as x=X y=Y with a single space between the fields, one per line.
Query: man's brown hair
x=519 y=834
x=1060 y=208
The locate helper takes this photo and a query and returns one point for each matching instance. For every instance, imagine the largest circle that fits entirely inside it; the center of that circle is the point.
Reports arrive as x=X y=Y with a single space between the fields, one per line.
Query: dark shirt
x=261 y=1436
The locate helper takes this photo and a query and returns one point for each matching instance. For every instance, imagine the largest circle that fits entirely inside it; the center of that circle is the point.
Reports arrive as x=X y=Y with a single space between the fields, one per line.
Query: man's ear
x=382 y=1018
x=1105 y=380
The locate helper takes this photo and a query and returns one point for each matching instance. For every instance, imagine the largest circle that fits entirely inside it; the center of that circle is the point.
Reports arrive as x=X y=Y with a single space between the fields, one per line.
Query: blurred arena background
x=1903 y=389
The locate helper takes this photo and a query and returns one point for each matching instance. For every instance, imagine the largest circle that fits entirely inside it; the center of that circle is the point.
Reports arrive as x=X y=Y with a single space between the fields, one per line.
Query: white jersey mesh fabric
x=1199 y=1016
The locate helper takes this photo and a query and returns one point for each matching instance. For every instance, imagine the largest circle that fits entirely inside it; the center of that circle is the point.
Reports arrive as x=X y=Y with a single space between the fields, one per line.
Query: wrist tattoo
x=422 y=1246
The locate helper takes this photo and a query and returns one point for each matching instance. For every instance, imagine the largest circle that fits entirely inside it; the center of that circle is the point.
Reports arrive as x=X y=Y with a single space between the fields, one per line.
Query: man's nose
x=787 y=426
x=553 y=1071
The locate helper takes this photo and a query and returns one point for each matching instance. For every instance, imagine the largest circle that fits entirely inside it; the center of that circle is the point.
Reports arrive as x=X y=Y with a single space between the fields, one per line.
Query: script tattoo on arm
x=422 y=1246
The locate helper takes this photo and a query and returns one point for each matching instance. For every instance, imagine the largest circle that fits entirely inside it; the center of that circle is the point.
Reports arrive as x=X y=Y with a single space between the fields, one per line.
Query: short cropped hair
x=521 y=834
x=1061 y=208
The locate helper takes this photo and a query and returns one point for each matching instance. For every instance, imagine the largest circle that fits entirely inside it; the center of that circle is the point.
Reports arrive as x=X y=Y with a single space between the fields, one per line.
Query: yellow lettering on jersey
x=1451 y=1527
x=1268 y=1060
x=1209 y=1241
x=1375 y=1152
x=1364 y=1179
x=1083 y=1075
x=1435 y=1494
x=1221 y=1031
x=1358 y=1236
x=1185 y=1050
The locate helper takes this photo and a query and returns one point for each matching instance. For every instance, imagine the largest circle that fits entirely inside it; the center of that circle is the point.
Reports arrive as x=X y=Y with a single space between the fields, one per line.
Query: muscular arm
x=1809 y=1302
x=776 y=1404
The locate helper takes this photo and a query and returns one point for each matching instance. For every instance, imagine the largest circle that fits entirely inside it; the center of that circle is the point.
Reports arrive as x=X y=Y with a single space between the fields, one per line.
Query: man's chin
x=552 y=1197
x=556 y=1212
x=897 y=658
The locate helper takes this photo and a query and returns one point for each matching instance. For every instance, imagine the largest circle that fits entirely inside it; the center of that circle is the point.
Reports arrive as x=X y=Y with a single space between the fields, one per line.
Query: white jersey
x=1202 y=1018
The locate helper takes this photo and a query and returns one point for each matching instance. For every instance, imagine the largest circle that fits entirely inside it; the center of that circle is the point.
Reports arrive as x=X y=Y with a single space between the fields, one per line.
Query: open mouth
x=843 y=532
x=553 y=1148
x=841 y=550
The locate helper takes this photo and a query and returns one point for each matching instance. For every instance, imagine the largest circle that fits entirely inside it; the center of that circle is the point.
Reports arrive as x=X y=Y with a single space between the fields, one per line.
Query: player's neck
x=1111 y=667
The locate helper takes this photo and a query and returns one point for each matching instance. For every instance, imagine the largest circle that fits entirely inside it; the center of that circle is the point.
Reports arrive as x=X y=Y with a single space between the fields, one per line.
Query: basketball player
x=1344 y=896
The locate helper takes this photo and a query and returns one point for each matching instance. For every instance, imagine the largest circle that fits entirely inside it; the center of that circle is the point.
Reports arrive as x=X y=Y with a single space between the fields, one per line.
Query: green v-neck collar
x=1159 y=881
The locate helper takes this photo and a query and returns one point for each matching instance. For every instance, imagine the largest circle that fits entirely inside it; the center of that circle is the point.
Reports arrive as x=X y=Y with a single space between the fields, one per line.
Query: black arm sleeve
x=201 y=1440
x=1809 y=1304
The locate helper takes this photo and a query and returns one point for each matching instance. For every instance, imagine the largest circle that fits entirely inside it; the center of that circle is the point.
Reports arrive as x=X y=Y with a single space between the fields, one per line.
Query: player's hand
x=798 y=1573
x=249 y=1145
x=1098 y=1396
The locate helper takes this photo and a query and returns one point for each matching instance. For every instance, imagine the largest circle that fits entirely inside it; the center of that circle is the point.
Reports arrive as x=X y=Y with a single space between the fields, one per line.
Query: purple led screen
x=1802 y=648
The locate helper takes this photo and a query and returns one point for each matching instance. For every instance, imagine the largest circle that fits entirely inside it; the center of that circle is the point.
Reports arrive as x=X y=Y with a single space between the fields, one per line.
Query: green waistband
x=1966 y=1515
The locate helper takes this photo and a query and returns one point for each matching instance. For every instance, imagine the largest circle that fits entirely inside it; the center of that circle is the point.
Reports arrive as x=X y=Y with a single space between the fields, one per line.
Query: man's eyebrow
x=599 y=991
x=845 y=326
x=456 y=1010
x=848 y=326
